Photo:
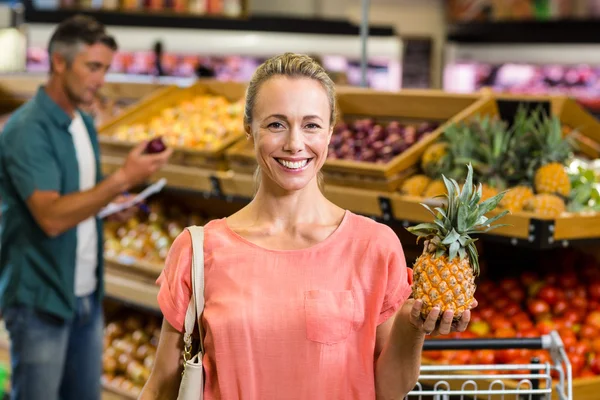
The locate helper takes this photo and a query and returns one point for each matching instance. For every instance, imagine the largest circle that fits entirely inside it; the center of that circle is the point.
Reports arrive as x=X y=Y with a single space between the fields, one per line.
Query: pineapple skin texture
x=447 y=284
x=516 y=198
x=487 y=192
x=415 y=185
x=435 y=188
x=433 y=154
x=552 y=179
x=547 y=205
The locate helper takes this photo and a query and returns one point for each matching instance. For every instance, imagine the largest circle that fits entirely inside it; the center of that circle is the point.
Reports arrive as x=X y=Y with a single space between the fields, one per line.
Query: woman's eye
x=312 y=126
x=275 y=125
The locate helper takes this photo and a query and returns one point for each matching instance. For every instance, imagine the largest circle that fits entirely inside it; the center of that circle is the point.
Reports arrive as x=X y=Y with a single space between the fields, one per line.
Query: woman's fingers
x=464 y=321
x=446 y=322
x=431 y=321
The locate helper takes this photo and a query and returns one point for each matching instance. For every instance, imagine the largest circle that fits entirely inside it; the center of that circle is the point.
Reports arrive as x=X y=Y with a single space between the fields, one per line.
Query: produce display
x=530 y=160
x=130 y=344
x=203 y=122
x=149 y=235
x=444 y=275
x=369 y=141
x=533 y=303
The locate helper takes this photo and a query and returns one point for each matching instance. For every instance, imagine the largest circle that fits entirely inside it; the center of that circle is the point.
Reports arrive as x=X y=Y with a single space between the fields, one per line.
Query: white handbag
x=192 y=381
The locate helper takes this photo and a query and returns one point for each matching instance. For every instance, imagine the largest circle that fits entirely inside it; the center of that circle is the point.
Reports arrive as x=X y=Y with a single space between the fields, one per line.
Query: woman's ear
x=248 y=130
x=330 y=135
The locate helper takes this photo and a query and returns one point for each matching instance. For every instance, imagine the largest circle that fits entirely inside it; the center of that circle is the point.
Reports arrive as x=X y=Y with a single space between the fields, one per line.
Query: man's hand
x=125 y=214
x=140 y=166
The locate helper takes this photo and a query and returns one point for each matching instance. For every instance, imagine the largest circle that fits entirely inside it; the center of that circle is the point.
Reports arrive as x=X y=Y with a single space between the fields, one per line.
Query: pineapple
x=546 y=205
x=434 y=189
x=432 y=157
x=550 y=151
x=415 y=185
x=552 y=178
x=515 y=198
x=444 y=275
x=487 y=191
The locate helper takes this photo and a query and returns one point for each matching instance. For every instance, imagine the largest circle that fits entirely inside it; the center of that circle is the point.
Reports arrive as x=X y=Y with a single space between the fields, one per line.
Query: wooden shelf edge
x=148 y=269
x=133 y=289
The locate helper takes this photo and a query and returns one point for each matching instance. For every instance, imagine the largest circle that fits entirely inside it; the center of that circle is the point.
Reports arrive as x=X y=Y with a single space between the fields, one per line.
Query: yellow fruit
x=432 y=155
x=435 y=188
x=444 y=283
x=487 y=192
x=546 y=205
x=514 y=200
x=444 y=275
x=552 y=179
x=415 y=185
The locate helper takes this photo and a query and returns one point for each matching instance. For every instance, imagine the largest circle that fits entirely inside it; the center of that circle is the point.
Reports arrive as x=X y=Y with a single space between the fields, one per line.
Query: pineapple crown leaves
x=546 y=143
x=461 y=217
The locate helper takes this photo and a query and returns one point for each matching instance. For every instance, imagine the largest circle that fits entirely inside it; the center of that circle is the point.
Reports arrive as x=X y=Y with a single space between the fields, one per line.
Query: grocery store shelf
x=208 y=22
x=525 y=229
x=543 y=32
x=131 y=287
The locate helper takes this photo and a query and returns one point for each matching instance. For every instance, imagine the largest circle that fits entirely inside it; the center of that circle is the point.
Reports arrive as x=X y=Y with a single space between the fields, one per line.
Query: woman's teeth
x=293 y=164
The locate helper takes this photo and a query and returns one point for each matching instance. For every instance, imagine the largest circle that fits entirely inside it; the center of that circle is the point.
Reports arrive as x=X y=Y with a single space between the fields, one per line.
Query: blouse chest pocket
x=329 y=315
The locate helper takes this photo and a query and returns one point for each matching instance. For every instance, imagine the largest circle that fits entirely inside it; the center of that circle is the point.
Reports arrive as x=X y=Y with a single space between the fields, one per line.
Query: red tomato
x=538 y=307
x=577 y=363
x=511 y=309
x=589 y=332
x=516 y=294
x=501 y=303
x=560 y=307
x=595 y=363
x=522 y=325
x=549 y=294
x=569 y=341
x=579 y=303
x=545 y=326
x=587 y=373
x=505 y=333
x=501 y=323
x=484 y=357
x=528 y=278
x=509 y=283
x=507 y=355
x=593 y=319
x=487 y=313
x=594 y=290
x=572 y=315
x=568 y=280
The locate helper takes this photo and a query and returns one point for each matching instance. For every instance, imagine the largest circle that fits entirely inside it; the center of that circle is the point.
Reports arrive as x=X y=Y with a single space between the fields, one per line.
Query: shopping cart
x=449 y=382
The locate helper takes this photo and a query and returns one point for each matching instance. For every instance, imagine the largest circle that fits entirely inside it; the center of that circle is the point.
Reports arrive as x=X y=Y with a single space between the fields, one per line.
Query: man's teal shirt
x=37 y=153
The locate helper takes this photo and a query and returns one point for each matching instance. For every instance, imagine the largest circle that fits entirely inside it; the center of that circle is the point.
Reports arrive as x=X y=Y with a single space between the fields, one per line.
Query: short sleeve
x=175 y=281
x=31 y=163
x=399 y=281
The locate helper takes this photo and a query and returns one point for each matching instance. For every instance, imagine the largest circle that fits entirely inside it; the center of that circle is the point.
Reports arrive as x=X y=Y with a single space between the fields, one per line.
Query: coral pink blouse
x=290 y=324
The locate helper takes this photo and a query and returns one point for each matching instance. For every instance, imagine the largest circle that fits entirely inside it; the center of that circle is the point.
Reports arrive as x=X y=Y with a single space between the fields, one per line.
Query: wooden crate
x=408 y=106
x=143 y=113
x=241 y=157
x=586 y=127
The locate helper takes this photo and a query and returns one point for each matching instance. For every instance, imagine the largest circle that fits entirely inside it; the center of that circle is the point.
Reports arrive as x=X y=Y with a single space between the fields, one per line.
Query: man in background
x=51 y=266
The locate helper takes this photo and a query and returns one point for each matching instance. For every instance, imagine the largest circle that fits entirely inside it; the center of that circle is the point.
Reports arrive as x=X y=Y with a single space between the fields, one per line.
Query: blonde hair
x=294 y=66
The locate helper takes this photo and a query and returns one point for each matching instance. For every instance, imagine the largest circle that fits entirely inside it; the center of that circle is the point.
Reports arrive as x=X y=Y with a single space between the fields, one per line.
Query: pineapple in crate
x=444 y=275
x=549 y=152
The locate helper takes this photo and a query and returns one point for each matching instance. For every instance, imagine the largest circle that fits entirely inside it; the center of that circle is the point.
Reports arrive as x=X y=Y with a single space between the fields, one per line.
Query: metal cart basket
x=449 y=382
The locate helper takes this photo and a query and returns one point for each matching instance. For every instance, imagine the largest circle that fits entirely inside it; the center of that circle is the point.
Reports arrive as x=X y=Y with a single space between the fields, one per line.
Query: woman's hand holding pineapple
x=433 y=324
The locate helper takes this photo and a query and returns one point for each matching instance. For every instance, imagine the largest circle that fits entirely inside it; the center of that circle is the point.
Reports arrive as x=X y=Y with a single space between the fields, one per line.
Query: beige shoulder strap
x=196 y=305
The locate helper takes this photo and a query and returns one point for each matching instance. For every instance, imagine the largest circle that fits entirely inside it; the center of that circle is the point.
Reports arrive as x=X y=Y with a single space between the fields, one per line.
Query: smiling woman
x=303 y=299
x=292 y=72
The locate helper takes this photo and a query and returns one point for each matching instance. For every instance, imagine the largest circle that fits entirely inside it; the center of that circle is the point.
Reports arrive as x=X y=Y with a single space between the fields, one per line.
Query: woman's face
x=291 y=130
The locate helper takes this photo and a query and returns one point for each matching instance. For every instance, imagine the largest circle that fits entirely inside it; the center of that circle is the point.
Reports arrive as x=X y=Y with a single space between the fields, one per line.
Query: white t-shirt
x=87 y=237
